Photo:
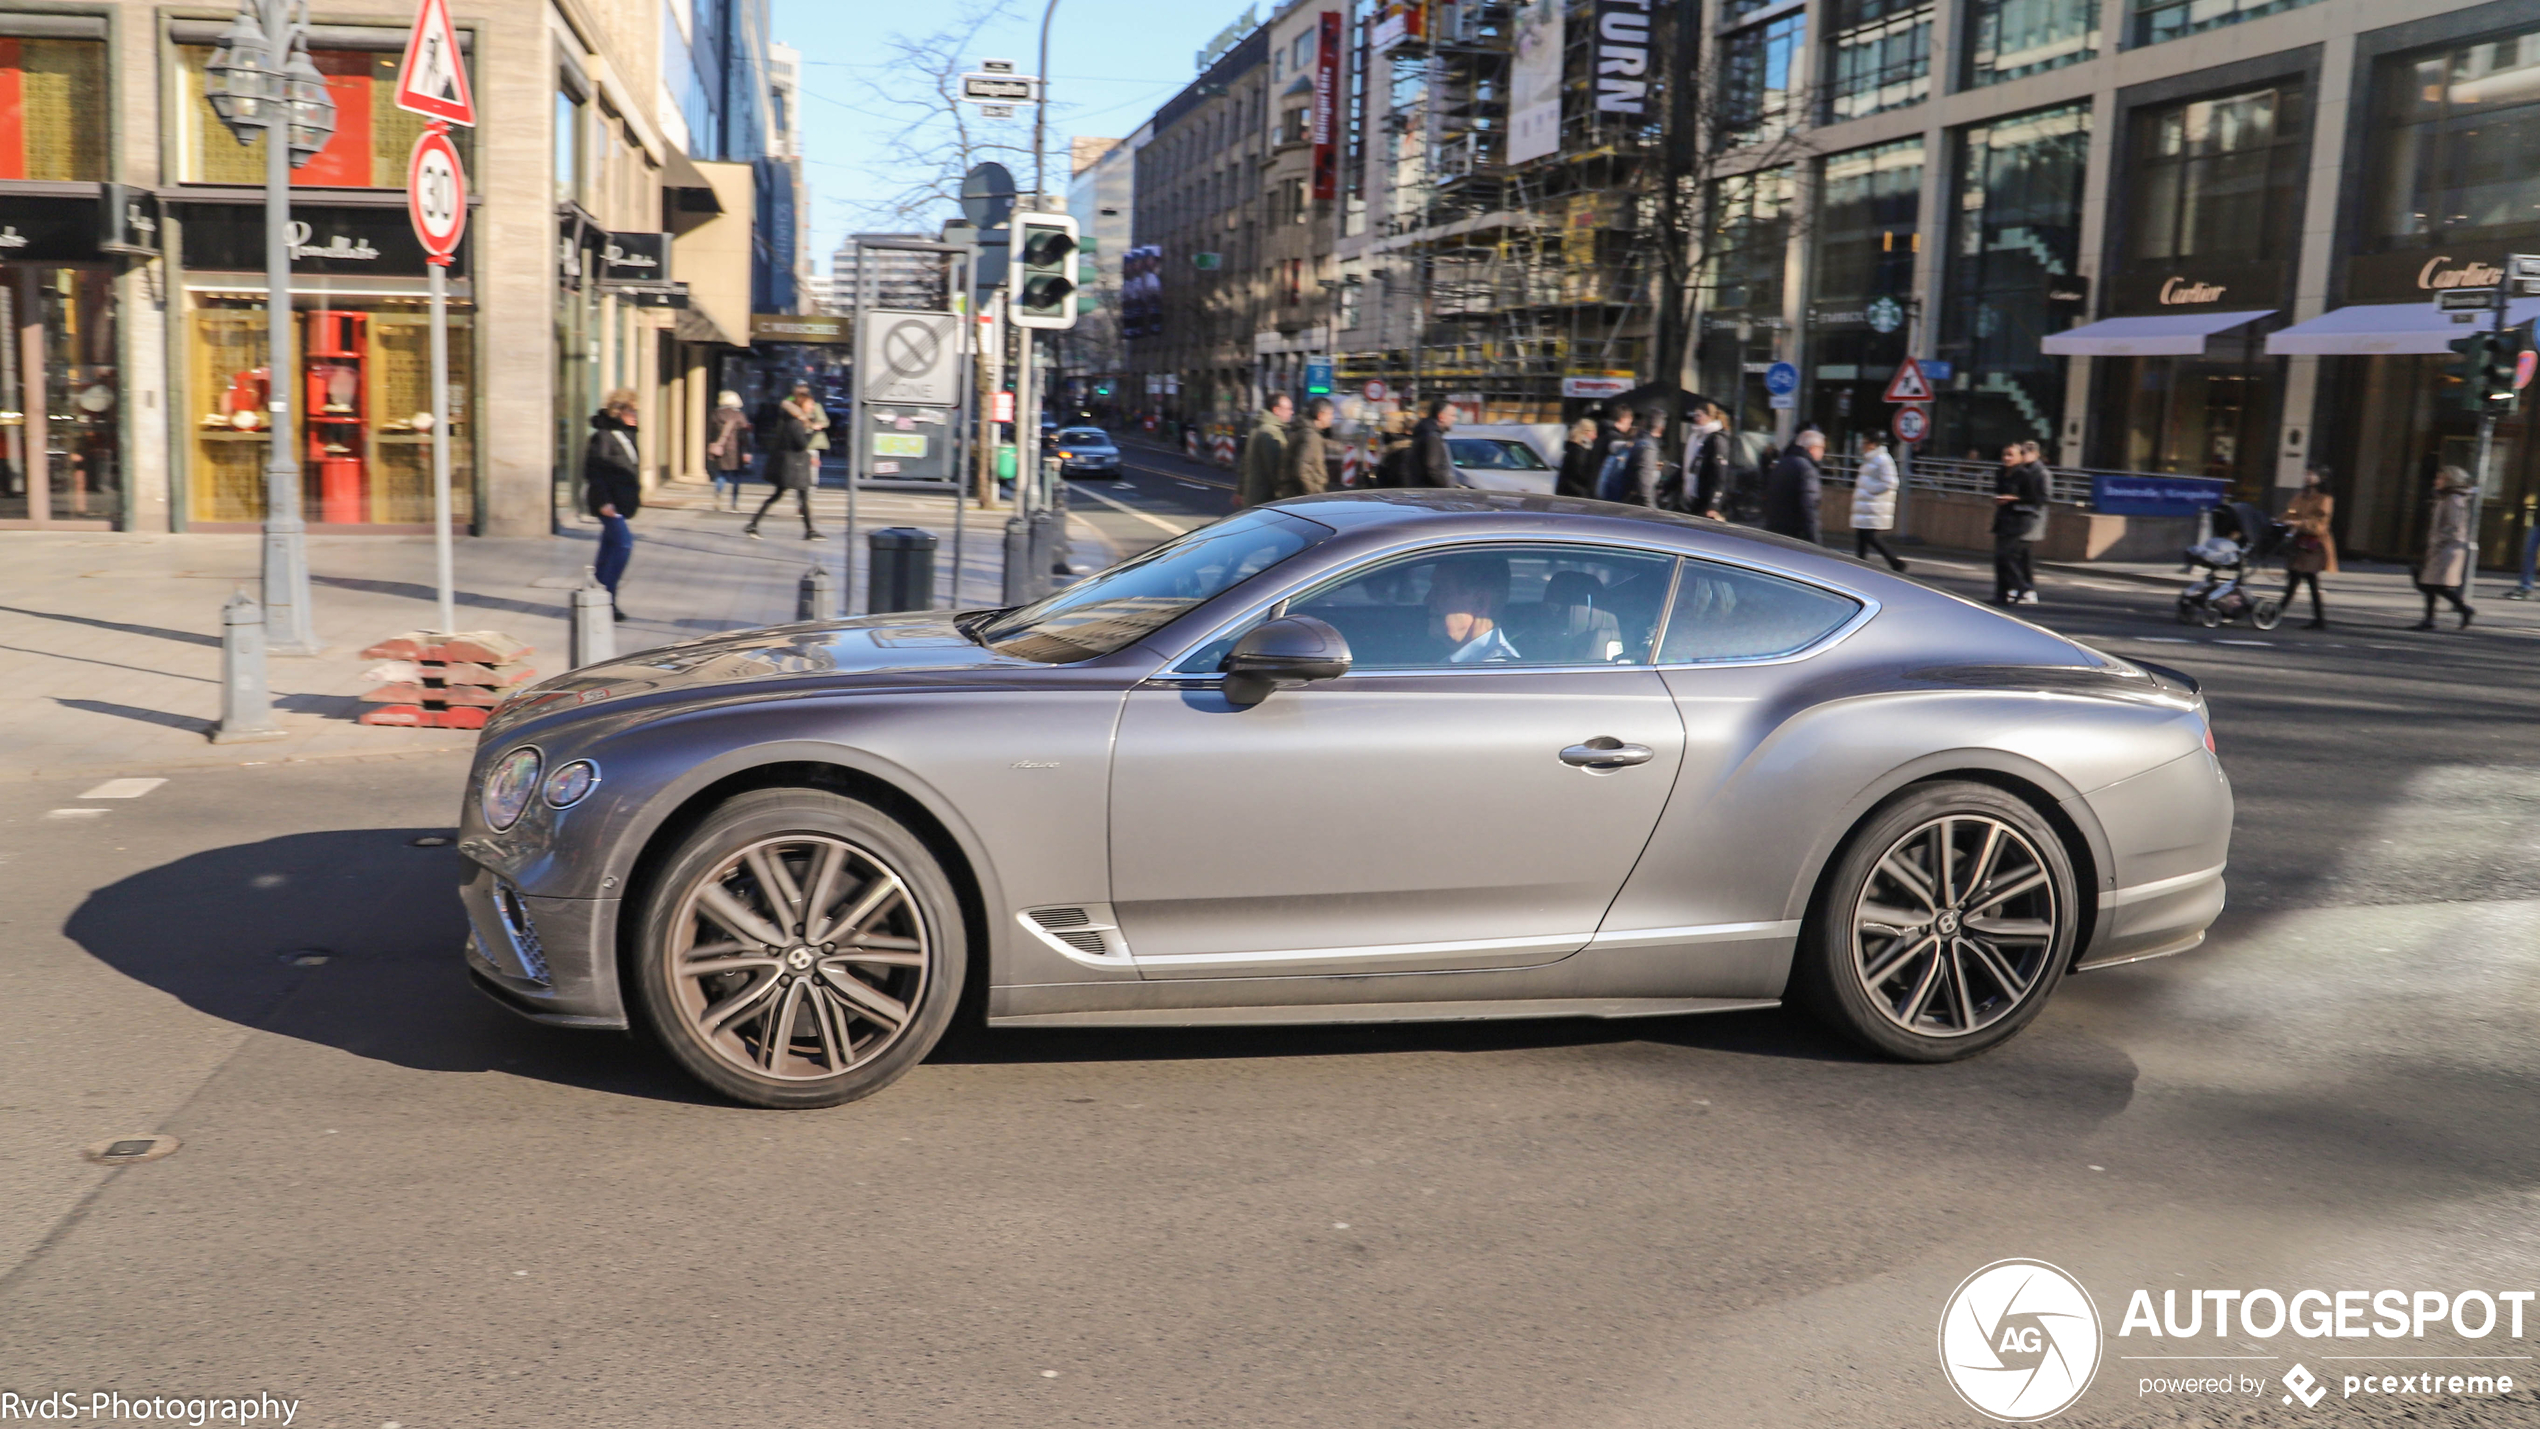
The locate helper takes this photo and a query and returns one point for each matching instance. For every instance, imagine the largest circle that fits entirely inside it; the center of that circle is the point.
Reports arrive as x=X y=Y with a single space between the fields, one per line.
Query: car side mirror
x=1282 y=654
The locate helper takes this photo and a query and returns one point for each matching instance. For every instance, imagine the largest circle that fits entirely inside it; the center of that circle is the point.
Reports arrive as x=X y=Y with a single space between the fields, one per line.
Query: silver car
x=1374 y=757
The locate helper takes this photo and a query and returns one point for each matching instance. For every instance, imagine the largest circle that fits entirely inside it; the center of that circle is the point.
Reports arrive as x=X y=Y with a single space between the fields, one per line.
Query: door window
x=1725 y=613
x=1497 y=605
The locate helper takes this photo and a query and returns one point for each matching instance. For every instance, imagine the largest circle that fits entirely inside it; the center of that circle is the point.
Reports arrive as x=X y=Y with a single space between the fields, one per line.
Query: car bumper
x=551 y=960
x=2169 y=836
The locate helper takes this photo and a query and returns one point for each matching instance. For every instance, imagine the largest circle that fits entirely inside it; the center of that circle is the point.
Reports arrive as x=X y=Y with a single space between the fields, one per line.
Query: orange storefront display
x=372 y=141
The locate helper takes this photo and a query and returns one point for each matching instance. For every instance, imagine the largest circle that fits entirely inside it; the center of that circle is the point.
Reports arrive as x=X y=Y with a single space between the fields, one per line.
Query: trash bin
x=903 y=570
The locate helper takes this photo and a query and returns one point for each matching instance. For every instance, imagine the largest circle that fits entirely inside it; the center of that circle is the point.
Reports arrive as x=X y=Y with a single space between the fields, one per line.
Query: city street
x=398 y=1204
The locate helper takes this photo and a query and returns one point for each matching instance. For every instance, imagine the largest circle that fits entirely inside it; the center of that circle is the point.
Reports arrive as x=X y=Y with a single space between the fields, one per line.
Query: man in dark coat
x=613 y=488
x=1431 y=463
x=1644 y=466
x=1707 y=462
x=2019 y=499
x=1265 y=458
x=1309 y=470
x=1791 y=491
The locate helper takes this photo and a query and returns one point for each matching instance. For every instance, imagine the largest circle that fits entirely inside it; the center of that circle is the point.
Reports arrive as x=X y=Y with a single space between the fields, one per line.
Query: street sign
x=1909 y=385
x=1909 y=424
x=909 y=358
x=2524 y=366
x=1001 y=88
x=432 y=79
x=1318 y=377
x=1781 y=379
x=436 y=193
x=1936 y=370
x=1375 y=391
x=987 y=195
x=1001 y=408
x=1595 y=386
x=2522 y=270
x=2466 y=300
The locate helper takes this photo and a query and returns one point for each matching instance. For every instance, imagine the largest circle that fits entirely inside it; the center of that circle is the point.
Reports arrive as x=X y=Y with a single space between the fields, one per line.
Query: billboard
x=1622 y=56
x=1142 y=291
x=1327 y=105
x=1534 y=83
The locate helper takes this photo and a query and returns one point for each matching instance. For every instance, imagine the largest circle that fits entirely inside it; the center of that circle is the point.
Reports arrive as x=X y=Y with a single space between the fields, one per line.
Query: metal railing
x=2066 y=485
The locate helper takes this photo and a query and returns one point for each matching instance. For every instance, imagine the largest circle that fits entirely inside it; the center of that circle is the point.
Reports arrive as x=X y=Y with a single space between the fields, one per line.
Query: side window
x=1535 y=604
x=1724 y=613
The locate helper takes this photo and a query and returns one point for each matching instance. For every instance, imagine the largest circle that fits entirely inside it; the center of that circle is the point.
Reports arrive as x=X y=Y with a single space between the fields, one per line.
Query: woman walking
x=2314 y=544
x=1580 y=459
x=730 y=445
x=1874 y=502
x=790 y=459
x=613 y=488
x=2447 y=556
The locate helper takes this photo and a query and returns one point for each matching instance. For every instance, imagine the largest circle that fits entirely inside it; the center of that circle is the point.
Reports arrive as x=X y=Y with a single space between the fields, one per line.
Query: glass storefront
x=1859 y=315
x=2015 y=223
x=61 y=447
x=1743 y=276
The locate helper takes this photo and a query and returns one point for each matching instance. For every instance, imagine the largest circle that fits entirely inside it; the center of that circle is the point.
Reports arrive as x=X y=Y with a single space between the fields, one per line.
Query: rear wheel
x=801 y=949
x=1943 y=926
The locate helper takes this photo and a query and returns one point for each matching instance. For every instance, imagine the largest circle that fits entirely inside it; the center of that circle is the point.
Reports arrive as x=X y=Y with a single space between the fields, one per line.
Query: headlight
x=508 y=786
x=567 y=785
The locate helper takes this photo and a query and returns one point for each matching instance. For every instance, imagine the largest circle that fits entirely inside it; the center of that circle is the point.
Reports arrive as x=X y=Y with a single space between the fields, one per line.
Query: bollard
x=901 y=573
x=815 y=595
x=1022 y=582
x=246 y=706
x=594 y=623
x=1049 y=547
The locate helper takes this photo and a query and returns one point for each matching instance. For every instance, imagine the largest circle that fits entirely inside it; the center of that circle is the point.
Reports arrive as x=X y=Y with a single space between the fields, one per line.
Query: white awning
x=2387 y=327
x=2161 y=335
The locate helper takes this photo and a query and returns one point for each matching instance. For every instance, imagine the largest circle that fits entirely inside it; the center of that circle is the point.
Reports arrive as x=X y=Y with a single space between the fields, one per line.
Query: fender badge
x=1035 y=764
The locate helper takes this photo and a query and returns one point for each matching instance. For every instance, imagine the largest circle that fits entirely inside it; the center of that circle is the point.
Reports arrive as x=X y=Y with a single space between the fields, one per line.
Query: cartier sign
x=2416 y=275
x=2444 y=271
x=2178 y=292
x=2148 y=289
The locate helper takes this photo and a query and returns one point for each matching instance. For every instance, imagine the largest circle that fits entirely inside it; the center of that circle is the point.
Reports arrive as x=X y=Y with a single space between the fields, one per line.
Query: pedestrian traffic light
x=1044 y=270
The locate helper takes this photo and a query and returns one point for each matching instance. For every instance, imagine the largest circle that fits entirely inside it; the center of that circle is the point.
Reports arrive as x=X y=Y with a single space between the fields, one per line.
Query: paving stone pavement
x=110 y=642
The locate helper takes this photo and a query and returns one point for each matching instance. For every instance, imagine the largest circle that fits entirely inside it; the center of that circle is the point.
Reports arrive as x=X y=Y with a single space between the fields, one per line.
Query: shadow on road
x=233 y=932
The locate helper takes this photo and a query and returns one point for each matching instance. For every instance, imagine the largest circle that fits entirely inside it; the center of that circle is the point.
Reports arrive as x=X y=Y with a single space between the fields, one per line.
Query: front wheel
x=2267 y=614
x=1943 y=926
x=801 y=949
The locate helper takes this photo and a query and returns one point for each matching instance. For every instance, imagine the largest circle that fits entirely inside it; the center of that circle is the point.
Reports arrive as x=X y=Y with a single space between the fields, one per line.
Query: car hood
x=885 y=647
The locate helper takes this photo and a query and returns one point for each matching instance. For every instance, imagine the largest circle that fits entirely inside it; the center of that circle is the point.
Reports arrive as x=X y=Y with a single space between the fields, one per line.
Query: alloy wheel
x=1954 y=925
x=799 y=957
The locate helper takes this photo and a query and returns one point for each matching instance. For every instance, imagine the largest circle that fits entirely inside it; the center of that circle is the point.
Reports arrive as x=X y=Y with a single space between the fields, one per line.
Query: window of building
x=570 y=164
x=1761 y=64
x=2015 y=221
x=1750 y=238
x=2453 y=140
x=1295 y=126
x=1878 y=56
x=52 y=109
x=2218 y=179
x=372 y=142
x=2158 y=20
x=1865 y=240
x=2007 y=39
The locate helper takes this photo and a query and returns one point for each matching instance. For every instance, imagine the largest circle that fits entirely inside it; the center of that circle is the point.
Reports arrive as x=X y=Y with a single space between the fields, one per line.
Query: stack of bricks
x=444 y=681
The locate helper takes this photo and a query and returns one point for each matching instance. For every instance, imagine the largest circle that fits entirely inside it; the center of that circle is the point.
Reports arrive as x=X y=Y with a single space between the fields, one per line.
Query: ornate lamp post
x=261 y=81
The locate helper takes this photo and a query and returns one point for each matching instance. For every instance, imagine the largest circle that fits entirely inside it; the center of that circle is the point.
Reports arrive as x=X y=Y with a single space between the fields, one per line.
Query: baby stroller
x=2241 y=551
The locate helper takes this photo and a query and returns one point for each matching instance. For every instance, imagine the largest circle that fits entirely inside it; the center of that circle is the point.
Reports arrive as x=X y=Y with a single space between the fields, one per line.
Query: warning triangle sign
x=432 y=80
x=1908 y=385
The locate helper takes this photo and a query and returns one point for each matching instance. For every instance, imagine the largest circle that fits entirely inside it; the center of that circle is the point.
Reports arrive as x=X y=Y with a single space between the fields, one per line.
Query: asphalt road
x=398 y=1205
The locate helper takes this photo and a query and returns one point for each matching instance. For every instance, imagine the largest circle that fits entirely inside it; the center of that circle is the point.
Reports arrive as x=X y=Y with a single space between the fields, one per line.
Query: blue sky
x=1111 y=63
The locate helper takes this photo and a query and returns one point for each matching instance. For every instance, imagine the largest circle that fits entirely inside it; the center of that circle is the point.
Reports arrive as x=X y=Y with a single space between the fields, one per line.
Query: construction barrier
x=1353 y=466
x=449 y=681
x=1221 y=449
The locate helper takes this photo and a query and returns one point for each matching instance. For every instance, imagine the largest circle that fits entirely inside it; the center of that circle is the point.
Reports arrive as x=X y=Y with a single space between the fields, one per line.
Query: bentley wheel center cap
x=798 y=958
x=1948 y=924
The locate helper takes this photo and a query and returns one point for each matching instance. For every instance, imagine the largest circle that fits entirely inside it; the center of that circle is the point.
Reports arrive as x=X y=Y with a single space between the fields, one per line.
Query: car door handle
x=1607 y=752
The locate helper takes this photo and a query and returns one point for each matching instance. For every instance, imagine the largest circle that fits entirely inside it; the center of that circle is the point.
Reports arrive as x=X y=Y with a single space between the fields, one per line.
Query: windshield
x=1085 y=436
x=1494 y=454
x=1138 y=597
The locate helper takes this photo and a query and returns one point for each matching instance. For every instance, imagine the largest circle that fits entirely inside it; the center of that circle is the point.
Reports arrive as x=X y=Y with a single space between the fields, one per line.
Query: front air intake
x=1085 y=934
x=520 y=933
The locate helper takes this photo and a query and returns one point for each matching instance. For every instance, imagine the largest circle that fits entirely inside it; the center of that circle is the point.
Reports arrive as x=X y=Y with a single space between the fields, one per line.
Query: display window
x=51 y=126
x=61 y=443
x=362 y=404
x=372 y=142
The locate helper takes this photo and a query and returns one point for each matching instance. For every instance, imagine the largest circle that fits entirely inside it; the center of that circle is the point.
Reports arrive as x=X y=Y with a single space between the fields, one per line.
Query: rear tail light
x=2209 y=741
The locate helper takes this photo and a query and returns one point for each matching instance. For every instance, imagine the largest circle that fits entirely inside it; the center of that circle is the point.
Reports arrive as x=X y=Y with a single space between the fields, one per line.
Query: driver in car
x=1465 y=596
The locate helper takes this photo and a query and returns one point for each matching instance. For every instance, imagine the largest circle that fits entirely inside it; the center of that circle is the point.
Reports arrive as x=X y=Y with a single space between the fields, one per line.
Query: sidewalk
x=110 y=643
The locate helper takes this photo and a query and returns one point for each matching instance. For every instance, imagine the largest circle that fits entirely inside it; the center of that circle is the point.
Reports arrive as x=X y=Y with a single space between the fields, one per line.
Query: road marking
x=123 y=788
x=2159 y=639
x=1147 y=516
x=1177 y=476
x=2268 y=643
x=75 y=814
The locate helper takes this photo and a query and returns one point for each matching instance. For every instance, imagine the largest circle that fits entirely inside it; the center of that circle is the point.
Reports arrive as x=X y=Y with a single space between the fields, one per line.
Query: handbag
x=1612 y=477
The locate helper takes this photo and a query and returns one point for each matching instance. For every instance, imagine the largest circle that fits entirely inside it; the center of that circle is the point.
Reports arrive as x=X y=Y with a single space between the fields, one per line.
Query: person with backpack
x=791 y=457
x=613 y=488
x=1633 y=474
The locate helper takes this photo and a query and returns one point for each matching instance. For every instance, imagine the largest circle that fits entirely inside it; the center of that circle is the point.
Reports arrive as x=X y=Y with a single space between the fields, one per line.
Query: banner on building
x=1534 y=83
x=1327 y=106
x=1622 y=57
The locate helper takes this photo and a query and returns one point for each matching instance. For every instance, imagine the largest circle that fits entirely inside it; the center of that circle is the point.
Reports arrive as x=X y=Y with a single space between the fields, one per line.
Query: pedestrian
x=1579 y=461
x=729 y=448
x=791 y=458
x=1613 y=439
x=1792 y=490
x=1309 y=470
x=2314 y=546
x=2447 y=566
x=1633 y=477
x=613 y=488
x=1874 y=502
x=1432 y=464
x=1707 y=461
x=2019 y=518
x=1265 y=459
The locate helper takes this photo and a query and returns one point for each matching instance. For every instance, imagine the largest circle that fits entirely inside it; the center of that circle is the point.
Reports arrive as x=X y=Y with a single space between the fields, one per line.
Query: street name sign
x=432 y=79
x=979 y=88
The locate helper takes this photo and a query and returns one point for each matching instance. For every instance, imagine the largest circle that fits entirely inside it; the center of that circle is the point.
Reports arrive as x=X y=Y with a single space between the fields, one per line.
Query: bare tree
x=941 y=137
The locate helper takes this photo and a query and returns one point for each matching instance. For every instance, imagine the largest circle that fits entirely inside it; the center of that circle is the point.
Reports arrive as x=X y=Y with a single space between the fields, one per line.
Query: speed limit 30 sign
x=436 y=194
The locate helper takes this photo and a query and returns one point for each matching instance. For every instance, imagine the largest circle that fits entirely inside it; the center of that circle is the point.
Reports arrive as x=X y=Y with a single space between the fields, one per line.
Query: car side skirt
x=1381 y=1012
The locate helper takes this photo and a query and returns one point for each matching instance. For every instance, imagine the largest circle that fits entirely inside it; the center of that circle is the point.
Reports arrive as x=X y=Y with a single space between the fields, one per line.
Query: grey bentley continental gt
x=1375 y=757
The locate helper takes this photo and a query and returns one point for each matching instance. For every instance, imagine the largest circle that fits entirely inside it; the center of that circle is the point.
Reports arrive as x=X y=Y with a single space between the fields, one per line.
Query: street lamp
x=259 y=79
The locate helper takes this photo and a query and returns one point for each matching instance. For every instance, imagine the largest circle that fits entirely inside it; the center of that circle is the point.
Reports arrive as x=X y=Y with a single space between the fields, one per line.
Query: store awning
x=2367 y=328
x=2162 y=335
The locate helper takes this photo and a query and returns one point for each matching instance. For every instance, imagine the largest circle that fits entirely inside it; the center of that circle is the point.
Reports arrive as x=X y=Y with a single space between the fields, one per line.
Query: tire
x=1892 y=959
x=2267 y=613
x=2209 y=617
x=2186 y=612
x=860 y=1005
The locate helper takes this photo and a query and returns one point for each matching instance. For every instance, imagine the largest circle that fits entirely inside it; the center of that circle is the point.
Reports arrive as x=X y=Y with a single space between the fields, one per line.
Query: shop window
x=2008 y=39
x=1878 y=56
x=1761 y=66
x=52 y=109
x=61 y=449
x=2015 y=222
x=373 y=138
x=2453 y=146
x=2158 y=20
x=1866 y=239
x=362 y=405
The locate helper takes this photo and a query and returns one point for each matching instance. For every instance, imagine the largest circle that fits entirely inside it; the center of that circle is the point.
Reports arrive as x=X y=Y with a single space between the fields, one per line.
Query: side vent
x=1085 y=934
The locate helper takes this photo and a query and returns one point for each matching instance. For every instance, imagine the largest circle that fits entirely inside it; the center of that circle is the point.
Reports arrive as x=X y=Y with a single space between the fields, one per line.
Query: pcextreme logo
x=2019 y=1341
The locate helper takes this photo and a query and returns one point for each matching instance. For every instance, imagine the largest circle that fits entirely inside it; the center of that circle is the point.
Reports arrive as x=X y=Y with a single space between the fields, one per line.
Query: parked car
x=1086 y=451
x=1525 y=761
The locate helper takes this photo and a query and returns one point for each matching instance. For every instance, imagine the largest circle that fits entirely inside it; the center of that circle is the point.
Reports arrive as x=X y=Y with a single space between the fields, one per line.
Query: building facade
x=1196 y=232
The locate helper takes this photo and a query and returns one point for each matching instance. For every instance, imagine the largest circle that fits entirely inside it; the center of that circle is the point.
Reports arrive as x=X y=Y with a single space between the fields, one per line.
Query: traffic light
x=2465 y=375
x=1044 y=270
x=2496 y=368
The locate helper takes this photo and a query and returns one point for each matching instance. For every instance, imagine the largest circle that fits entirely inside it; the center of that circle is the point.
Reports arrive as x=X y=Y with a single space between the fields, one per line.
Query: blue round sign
x=1781 y=379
